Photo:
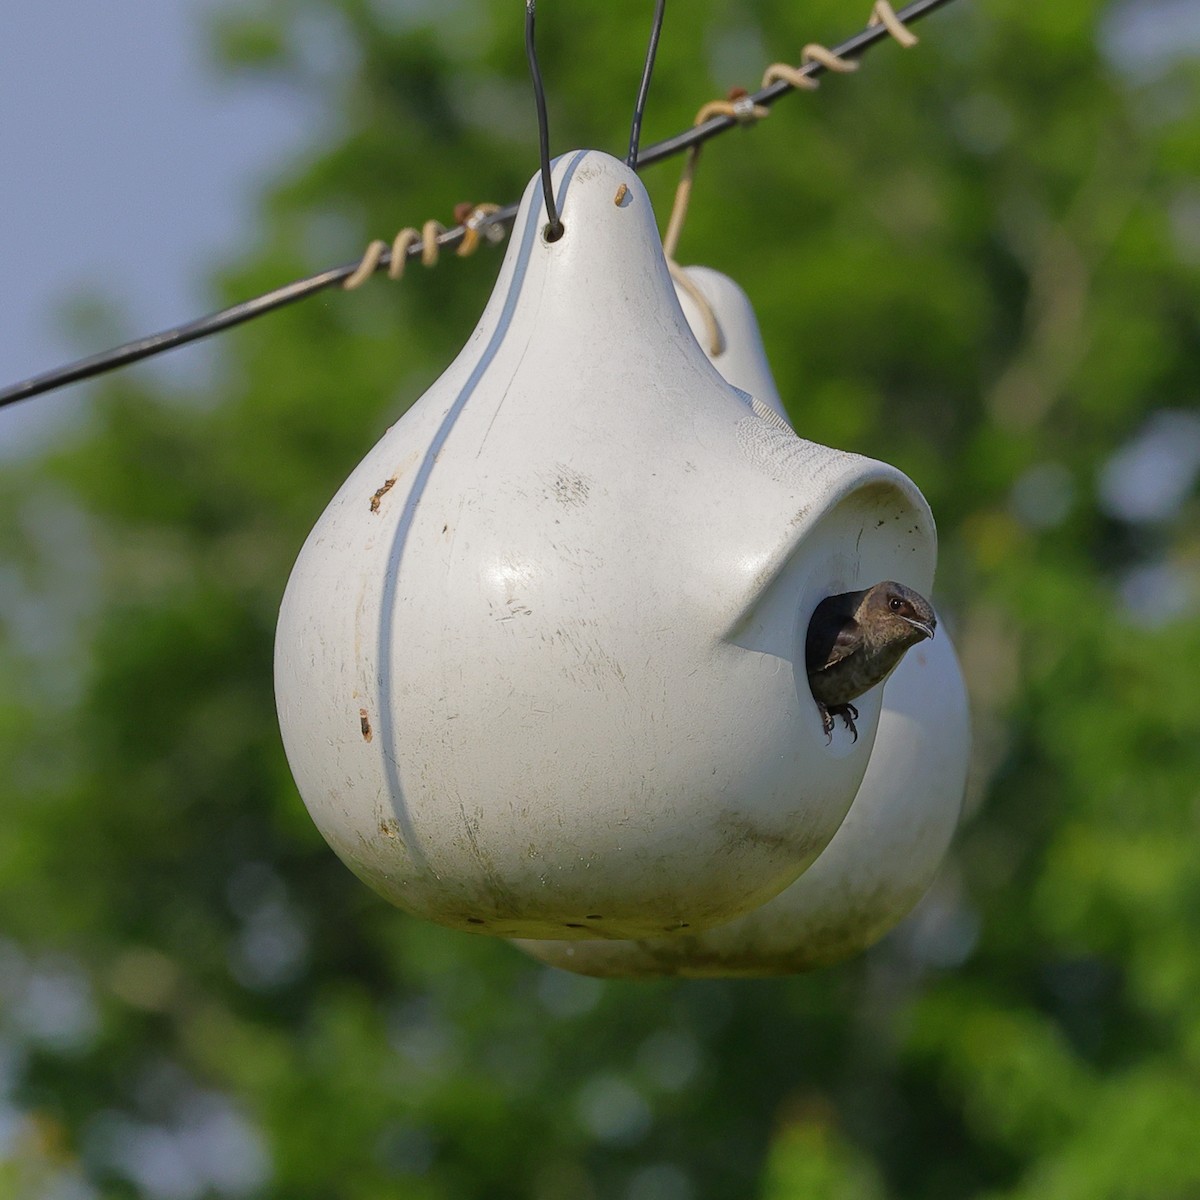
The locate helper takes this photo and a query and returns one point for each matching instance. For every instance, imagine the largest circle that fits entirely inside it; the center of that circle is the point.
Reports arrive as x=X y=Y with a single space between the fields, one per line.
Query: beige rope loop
x=429 y=244
x=400 y=244
x=786 y=73
x=679 y=207
x=883 y=14
x=712 y=327
x=366 y=266
x=743 y=110
x=815 y=52
x=475 y=220
x=475 y=225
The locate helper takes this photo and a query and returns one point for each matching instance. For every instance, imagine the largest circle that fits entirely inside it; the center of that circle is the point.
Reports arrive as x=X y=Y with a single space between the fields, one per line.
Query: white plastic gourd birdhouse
x=888 y=849
x=540 y=664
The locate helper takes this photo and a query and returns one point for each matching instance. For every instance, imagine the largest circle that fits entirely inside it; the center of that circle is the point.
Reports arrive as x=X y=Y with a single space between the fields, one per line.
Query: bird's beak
x=927 y=629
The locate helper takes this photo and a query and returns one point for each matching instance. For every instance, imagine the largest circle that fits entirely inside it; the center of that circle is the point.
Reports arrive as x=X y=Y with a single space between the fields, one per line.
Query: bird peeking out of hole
x=854 y=640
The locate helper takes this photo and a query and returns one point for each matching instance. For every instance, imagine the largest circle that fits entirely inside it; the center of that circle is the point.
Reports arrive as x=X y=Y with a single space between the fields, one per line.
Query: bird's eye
x=895 y=604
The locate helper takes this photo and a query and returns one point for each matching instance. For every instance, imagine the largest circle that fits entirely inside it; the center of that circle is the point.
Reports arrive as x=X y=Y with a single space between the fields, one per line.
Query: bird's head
x=898 y=613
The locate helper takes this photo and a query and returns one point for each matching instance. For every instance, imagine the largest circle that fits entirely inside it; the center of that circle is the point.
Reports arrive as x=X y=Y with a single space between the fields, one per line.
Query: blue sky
x=129 y=169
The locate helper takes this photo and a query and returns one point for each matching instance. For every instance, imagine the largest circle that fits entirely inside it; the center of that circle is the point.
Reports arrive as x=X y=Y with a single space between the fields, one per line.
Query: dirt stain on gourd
x=382 y=491
x=365 y=725
x=571 y=489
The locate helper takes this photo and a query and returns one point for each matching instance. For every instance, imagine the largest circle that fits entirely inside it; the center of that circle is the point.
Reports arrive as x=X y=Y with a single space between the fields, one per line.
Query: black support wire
x=853 y=48
x=635 y=131
x=554 y=226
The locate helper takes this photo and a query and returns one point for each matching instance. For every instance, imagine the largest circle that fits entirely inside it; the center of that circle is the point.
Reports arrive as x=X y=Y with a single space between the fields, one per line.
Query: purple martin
x=855 y=638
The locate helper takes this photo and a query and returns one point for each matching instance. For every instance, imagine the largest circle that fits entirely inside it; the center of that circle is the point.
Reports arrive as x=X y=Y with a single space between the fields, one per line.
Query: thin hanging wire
x=635 y=132
x=554 y=227
x=227 y=318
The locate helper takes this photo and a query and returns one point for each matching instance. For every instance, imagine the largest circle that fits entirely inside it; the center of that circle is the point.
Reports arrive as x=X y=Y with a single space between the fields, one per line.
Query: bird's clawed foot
x=847 y=712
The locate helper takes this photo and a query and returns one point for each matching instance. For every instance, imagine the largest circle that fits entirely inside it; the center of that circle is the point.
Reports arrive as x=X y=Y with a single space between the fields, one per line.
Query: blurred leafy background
x=979 y=260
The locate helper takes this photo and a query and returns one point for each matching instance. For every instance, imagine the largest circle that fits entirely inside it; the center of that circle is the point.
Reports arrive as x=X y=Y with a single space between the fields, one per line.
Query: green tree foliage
x=976 y=259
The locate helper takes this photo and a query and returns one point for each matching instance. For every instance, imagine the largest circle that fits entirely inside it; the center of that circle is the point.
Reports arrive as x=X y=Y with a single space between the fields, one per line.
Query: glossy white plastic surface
x=539 y=665
x=879 y=864
x=888 y=849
